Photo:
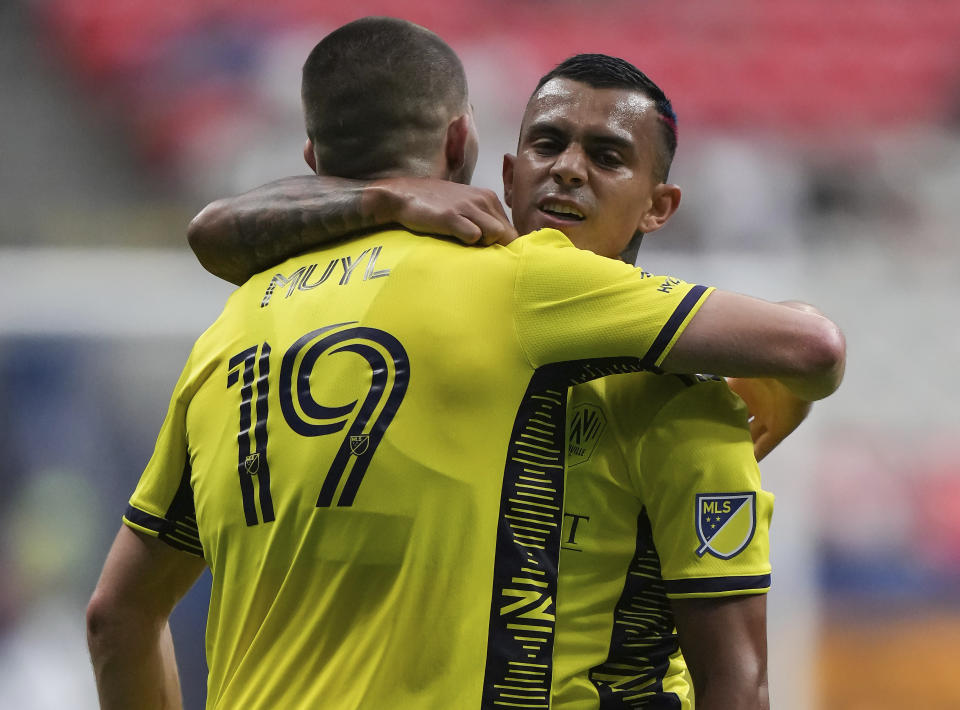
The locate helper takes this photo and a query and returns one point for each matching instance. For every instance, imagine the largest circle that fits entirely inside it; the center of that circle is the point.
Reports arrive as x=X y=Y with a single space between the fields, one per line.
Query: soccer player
x=663 y=504
x=421 y=391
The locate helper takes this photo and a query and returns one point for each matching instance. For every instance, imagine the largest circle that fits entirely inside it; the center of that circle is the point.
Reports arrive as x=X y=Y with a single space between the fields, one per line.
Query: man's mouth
x=561 y=211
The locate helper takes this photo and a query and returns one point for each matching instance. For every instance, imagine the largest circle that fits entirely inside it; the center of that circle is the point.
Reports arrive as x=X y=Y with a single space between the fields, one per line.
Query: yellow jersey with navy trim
x=367 y=448
x=663 y=501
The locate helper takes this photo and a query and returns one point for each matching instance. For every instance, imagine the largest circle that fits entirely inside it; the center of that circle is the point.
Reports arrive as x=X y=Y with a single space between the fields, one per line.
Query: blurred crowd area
x=819 y=155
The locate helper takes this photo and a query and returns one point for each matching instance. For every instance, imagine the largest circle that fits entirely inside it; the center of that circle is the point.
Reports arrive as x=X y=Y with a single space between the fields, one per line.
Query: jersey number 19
x=364 y=424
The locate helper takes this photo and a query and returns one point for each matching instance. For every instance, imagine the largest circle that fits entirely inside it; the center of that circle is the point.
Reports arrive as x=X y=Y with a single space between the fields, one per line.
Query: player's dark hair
x=378 y=94
x=602 y=71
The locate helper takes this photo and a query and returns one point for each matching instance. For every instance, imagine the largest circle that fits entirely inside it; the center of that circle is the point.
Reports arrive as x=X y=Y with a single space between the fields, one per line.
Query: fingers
x=463 y=229
x=486 y=211
x=761 y=438
x=469 y=214
x=763 y=446
x=766 y=439
x=494 y=228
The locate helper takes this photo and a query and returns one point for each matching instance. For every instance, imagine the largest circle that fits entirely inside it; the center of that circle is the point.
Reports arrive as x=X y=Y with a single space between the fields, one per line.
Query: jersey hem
x=675 y=326
x=139 y=528
x=717 y=586
x=718 y=595
x=178 y=537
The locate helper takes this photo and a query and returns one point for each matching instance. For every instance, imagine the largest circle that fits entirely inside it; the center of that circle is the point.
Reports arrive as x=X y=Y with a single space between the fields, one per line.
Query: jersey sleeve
x=702 y=491
x=571 y=304
x=162 y=504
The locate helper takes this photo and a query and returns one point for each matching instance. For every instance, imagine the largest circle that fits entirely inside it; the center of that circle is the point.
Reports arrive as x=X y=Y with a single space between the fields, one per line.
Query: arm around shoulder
x=740 y=336
x=213 y=235
x=236 y=237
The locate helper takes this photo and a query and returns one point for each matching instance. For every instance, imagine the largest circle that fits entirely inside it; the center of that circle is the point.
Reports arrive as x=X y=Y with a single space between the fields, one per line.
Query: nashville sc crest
x=725 y=523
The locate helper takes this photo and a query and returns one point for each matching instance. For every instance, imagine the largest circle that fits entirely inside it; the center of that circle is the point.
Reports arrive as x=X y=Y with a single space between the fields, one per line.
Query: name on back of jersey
x=339 y=270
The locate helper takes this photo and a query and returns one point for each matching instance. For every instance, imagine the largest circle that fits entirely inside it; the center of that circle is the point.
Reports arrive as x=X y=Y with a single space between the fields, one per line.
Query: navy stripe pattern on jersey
x=713 y=585
x=519 y=669
x=643 y=637
x=178 y=527
x=672 y=325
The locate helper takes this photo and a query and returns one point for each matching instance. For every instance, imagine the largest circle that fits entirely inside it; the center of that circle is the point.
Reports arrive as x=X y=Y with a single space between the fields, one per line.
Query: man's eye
x=609 y=159
x=546 y=146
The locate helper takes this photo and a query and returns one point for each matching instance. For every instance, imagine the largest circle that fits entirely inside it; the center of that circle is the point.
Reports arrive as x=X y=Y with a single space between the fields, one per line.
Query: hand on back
x=774 y=409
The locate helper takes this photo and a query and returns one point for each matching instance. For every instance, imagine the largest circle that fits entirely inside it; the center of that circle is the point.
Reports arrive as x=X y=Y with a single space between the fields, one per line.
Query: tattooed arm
x=236 y=237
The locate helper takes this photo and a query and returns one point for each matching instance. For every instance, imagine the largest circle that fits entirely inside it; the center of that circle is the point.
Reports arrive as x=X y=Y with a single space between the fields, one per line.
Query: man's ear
x=455 y=147
x=508 y=161
x=665 y=201
x=309 y=156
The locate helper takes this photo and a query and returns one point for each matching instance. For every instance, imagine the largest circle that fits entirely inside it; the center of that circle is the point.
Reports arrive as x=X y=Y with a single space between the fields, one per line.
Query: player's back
x=354 y=387
x=374 y=439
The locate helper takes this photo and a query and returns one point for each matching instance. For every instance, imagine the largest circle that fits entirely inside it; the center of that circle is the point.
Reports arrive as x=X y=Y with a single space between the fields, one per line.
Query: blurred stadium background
x=820 y=160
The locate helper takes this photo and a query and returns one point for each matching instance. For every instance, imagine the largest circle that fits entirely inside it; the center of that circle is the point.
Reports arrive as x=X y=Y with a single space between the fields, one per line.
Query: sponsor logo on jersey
x=586 y=428
x=725 y=523
x=572 y=524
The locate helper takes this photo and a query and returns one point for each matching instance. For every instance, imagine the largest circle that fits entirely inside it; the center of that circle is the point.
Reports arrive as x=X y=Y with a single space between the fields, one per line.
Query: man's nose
x=570 y=167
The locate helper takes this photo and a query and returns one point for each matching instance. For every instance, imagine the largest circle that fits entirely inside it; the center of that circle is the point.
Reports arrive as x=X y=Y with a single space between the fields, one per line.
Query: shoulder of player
x=221 y=341
x=651 y=394
x=700 y=396
x=545 y=242
x=547 y=254
x=636 y=398
x=662 y=386
x=552 y=238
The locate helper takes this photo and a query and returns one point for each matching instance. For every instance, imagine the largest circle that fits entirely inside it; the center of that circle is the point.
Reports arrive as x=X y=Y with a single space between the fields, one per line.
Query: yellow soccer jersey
x=663 y=500
x=367 y=447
